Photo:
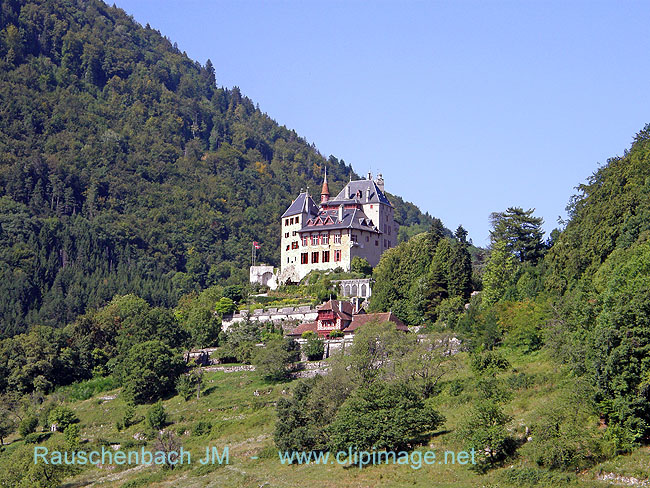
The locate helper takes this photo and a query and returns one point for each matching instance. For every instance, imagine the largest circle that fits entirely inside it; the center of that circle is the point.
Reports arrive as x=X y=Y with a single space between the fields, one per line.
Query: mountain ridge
x=125 y=168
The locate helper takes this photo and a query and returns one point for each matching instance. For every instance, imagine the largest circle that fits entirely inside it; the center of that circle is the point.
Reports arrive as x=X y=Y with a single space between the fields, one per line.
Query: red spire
x=325 y=192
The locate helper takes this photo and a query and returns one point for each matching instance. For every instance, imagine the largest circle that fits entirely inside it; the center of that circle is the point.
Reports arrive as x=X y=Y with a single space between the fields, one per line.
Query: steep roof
x=298 y=331
x=304 y=203
x=358 y=192
x=328 y=219
x=339 y=307
x=362 y=319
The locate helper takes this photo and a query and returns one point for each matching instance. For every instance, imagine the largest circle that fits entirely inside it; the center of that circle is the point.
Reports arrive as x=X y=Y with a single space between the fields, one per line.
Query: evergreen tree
x=521 y=232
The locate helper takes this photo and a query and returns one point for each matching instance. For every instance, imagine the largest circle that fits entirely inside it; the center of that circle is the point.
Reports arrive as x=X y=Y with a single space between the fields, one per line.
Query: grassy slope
x=245 y=423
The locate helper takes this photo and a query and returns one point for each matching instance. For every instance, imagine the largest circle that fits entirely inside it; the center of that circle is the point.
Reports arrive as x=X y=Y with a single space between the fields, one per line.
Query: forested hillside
x=125 y=168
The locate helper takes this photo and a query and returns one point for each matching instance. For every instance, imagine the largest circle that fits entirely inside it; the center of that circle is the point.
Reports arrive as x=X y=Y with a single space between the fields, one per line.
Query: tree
x=314 y=348
x=150 y=371
x=521 y=232
x=484 y=431
x=361 y=265
x=225 y=306
x=7 y=426
x=383 y=417
x=273 y=360
x=460 y=266
x=156 y=416
x=62 y=417
x=499 y=273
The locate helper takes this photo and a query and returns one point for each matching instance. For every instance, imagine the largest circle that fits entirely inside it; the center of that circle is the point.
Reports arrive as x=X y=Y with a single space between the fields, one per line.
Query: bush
x=156 y=416
x=37 y=437
x=149 y=371
x=314 y=348
x=485 y=431
x=488 y=362
x=202 y=427
x=27 y=426
x=390 y=417
x=62 y=417
x=273 y=360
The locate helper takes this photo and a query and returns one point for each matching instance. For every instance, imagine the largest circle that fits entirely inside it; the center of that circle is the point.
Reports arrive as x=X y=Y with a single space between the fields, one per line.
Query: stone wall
x=302 y=314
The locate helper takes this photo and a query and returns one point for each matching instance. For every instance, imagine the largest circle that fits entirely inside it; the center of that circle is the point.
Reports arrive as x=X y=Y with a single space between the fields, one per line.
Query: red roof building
x=339 y=315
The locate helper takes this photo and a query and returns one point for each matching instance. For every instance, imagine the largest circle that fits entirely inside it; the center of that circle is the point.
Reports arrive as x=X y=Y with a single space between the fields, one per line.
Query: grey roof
x=352 y=219
x=376 y=195
x=303 y=203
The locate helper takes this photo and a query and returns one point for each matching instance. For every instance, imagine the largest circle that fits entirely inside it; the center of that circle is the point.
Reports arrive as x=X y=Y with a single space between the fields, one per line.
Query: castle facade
x=359 y=221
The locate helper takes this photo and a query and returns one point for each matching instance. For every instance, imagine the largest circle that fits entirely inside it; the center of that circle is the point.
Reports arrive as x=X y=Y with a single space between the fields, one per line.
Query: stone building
x=359 y=221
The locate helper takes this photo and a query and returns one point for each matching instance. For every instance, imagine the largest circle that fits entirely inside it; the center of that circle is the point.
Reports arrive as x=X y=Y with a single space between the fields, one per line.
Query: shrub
x=314 y=348
x=150 y=370
x=62 y=417
x=27 y=426
x=273 y=360
x=390 y=417
x=485 y=431
x=156 y=416
x=202 y=427
x=488 y=362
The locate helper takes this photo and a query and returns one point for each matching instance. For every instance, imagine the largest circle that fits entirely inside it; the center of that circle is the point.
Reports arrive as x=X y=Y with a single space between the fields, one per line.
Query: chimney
x=347 y=191
x=369 y=176
x=340 y=213
x=380 y=182
x=368 y=194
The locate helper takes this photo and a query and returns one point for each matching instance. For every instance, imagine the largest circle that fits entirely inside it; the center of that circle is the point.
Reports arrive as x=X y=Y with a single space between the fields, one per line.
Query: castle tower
x=325 y=191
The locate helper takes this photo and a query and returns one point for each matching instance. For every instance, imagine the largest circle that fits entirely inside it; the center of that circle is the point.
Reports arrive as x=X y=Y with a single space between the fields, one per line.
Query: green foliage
x=273 y=360
x=27 y=425
x=499 y=273
x=62 y=417
x=225 y=306
x=390 y=417
x=188 y=385
x=361 y=265
x=484 y=431
x=202 y=427
x=488 y=363
x=314 y=348
x=149 y=371
x=123 y=172
x=565 y=434
x=72 y=439
x=520 y=231
x=335 y=334
x=157 y=416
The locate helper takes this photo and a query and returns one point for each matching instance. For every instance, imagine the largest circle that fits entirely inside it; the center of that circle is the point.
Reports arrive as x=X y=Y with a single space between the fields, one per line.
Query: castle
x=359 y=221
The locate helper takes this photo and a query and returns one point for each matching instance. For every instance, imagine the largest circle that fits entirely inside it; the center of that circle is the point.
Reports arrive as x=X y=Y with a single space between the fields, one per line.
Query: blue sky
x=465 y=107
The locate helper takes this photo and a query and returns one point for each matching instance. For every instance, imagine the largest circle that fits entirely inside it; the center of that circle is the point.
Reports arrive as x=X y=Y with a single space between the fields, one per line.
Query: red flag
x=256 y=245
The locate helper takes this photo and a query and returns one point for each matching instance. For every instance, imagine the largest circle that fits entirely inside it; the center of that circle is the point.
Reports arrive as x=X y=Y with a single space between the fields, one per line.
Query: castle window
x=389 y=230
x=294 y=245
x=314 y=240
x=337 y=238
x=354 y=238
x=286 y=234
x=297 y=220
x=367 y=238
x=286 y=222
x=314 y=257
x=337 y=255
x=294 y=233
x=326 y=256
x=324 y=239
x=304 y=241
x=304 y=258
x=377 y=242
x=287 y=247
